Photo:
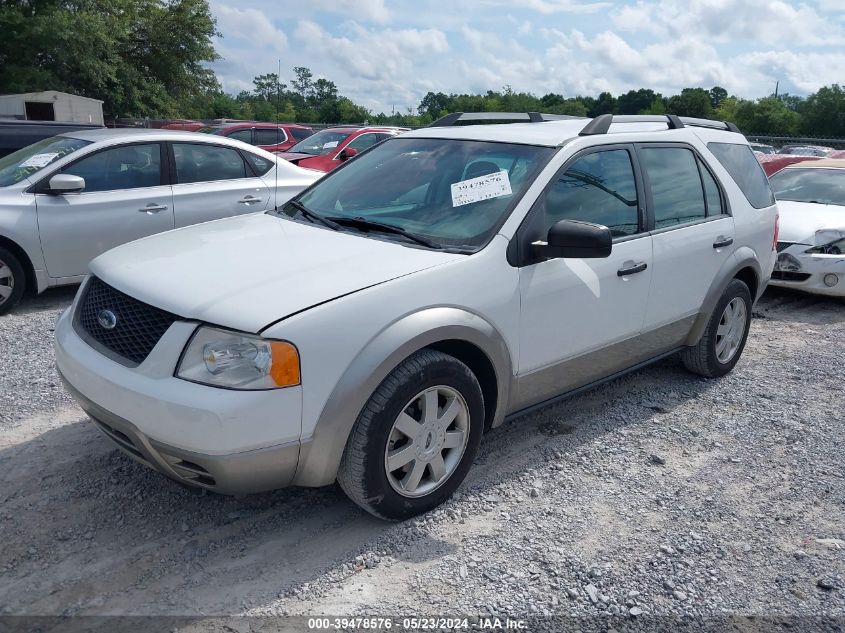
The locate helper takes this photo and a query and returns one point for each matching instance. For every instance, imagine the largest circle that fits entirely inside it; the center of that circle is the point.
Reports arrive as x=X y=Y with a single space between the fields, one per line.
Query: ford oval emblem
x=107 y=319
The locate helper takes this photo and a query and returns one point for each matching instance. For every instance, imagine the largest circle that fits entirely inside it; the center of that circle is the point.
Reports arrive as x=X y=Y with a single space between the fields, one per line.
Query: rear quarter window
x=739 y=161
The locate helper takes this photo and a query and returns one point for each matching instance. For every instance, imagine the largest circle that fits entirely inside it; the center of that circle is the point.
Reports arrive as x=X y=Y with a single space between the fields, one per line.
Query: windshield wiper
x=314 y=217
x=363 y=223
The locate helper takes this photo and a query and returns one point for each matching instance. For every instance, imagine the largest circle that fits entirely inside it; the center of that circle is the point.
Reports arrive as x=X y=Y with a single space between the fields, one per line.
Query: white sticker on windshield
x=481 y=188
x=330 y=144
x=39 y=160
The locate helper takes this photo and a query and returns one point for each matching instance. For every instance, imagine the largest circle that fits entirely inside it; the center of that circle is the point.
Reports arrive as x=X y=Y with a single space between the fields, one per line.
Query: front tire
x=416 y=437
x=12 y=280
x=723 y=340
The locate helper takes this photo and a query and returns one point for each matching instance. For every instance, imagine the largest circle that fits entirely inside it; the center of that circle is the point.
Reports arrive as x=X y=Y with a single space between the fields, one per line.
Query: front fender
x=321 y=454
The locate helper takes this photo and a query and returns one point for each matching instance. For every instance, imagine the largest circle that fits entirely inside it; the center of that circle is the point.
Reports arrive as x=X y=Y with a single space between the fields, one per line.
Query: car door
x=213 y=181
x=692 y=235
x=574 y=310
x=127 y=196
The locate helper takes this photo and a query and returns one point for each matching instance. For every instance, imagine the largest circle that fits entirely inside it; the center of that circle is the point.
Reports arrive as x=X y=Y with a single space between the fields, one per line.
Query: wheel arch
x=743 y=265
x=29 y=270
x=467 y=336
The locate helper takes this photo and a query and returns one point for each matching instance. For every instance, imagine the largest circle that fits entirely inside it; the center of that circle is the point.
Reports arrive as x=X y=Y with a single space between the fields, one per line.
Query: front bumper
x=233 y=442
x=238 y=473
x=806 y=272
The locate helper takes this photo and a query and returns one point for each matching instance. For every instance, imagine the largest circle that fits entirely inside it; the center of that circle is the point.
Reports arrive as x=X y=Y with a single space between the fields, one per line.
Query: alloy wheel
x=427 y=441
x=731 y=330
x=7 y=282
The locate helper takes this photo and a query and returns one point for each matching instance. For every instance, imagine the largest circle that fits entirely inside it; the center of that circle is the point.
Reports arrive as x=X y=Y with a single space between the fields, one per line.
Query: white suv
x=370 y=330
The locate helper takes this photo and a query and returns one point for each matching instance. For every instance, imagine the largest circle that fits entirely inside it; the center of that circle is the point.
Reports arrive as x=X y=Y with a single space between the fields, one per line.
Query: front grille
x=136 y=328
x=783 y=245
x=781 y=275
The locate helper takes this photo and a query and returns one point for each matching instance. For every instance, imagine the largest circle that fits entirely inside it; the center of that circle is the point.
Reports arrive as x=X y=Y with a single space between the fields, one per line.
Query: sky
x=386 y=54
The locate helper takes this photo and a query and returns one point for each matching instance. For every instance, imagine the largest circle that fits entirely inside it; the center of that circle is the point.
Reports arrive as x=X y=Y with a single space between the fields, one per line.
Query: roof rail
x=601 y=124
x=458 y=118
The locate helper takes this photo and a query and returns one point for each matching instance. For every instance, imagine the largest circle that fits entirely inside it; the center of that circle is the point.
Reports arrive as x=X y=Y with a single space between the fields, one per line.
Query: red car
x=328 y=148
x=775 y=162
x=274 y=137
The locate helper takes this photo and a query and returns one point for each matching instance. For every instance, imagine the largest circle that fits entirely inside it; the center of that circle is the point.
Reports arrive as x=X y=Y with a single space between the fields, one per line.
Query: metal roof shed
x=52 y=105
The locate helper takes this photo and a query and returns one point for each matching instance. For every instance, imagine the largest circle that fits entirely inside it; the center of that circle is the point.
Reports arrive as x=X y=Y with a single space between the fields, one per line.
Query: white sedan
x=811 y=246
x=66 y=199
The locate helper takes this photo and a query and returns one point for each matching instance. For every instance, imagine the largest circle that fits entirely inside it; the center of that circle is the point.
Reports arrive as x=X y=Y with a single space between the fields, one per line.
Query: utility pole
x=777 y=85
x=279 y=91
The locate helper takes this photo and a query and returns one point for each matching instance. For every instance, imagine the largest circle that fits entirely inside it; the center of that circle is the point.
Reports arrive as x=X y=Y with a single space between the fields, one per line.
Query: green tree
x=141 y=57
x=767 y=116
x=693 y=102
x=824 y=112
x=636 y=101
x=268 y=87
x=605 y=104
x=434 y=104
x=717 y=95
x=303 y=81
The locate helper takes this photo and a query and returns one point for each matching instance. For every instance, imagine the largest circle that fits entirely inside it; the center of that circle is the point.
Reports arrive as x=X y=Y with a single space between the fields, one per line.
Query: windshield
x=208 y=130
x=452 y=192
x=320 y=143
x=825 y=186
x=25 y=162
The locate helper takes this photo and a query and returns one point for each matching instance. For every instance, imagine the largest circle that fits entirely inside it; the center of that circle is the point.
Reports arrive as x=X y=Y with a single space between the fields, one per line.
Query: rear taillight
x=777 y=231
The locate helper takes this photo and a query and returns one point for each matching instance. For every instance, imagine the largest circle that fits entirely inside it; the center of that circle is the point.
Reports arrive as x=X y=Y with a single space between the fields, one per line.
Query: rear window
x=745 y=169
x=259 y=164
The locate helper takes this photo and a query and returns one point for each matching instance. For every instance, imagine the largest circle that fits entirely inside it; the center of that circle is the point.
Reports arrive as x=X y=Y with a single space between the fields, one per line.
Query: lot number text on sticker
x=39 y=160
x=481 y=188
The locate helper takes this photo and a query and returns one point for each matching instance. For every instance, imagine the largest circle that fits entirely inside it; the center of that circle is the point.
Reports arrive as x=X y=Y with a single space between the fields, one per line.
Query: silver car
x=66 y=199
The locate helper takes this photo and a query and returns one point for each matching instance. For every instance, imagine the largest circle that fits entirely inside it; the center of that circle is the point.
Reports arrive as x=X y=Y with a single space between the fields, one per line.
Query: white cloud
x=555 y=6
x=394 y=52
x=250 y=25
x=806 y=71
x=742 y=21
x=365 y=10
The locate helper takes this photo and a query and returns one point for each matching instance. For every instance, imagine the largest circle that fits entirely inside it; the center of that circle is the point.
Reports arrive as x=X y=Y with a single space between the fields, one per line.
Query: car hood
x=247 y=272
x=799 y=221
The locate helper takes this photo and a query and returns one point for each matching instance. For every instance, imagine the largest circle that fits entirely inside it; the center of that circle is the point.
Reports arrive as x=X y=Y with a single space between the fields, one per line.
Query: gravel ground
x=660 y=494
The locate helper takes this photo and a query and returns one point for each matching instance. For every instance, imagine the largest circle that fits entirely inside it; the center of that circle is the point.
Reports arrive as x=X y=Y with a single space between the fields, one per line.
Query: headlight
x=221 y=358
x=828 y=242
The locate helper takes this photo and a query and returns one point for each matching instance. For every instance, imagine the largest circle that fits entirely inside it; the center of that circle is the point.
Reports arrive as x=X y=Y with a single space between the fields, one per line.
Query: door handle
x=249 y=200
x=153 y=208
x=723 y=241
x=631 y=269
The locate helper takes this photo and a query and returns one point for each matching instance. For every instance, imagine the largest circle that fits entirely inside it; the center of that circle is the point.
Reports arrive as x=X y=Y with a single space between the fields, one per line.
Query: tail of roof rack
x=601 y=124
x=468 y=118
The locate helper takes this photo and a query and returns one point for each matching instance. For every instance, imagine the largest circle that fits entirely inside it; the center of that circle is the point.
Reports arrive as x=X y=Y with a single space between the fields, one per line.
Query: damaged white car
x=811 y=250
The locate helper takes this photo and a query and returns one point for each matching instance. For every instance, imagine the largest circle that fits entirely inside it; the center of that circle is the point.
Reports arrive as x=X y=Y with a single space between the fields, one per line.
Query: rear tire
x=415 y=439
x=725 y=336
x=12 y=280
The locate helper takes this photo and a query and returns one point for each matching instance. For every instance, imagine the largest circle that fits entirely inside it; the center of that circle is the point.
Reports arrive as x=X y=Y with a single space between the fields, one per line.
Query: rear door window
x=265 y=136
x=676 y=187
x=205 y=163
x=739 y=161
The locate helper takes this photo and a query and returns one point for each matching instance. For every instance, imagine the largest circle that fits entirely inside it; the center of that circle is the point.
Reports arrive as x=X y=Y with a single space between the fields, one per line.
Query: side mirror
x=572 y=238
x=66 y=183
x=348 y=153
